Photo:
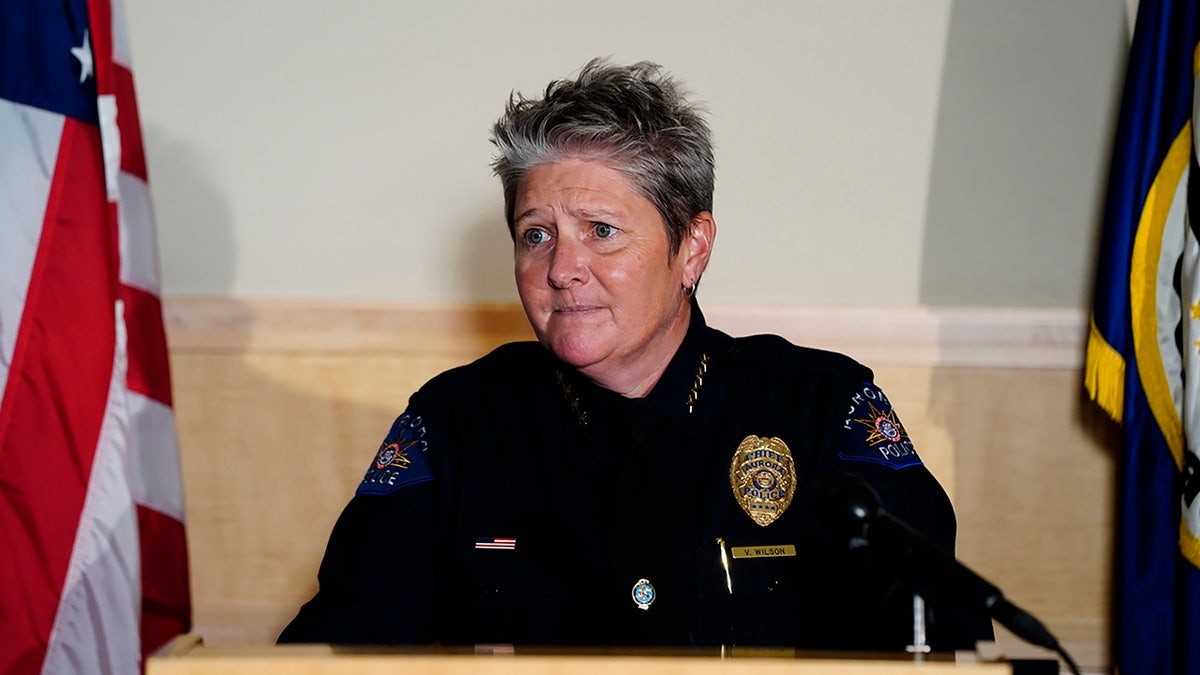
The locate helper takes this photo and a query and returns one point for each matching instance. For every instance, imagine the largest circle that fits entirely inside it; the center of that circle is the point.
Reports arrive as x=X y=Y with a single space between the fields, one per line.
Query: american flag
x=93 y=571
x=496 y=543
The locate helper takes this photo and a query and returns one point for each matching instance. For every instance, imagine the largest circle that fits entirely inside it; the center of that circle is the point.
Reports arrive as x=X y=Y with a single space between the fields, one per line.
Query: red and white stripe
x=496 y=543
x=91 y=500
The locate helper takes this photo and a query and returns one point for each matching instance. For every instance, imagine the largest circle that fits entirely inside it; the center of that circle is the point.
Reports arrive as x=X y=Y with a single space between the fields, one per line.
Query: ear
x=696 y=247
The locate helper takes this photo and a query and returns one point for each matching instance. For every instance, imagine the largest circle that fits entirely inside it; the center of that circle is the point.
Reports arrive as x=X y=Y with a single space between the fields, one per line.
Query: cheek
x=525 y=270
x=618 y=276
x=648 y=278
x=532 y=289
x=526 y=289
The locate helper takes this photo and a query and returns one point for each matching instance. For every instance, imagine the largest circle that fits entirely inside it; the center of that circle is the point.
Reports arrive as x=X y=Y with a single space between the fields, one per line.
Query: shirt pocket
x=767 y=600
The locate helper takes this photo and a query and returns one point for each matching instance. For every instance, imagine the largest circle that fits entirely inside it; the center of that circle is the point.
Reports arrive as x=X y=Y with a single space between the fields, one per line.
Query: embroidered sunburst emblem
x=882 y=427
x=394 y=454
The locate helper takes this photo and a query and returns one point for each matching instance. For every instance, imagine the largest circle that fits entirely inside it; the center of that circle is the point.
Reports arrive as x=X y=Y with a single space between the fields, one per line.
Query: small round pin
x=644 y=593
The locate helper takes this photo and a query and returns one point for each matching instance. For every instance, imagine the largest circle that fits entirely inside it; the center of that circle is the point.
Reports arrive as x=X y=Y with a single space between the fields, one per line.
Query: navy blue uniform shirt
x=516 y=502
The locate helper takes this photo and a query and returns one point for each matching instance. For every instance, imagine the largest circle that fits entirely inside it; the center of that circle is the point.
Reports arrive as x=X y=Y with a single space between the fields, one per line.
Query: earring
x=689 y=291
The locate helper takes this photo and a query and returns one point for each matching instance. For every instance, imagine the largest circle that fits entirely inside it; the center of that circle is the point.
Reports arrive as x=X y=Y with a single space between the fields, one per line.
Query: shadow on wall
x=273 y=439
x=1026 y=114
x=195 y=226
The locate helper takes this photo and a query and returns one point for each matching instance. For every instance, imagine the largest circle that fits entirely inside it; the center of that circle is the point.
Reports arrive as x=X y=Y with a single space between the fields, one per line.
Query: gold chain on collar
x=701 y=370
x=568 y=393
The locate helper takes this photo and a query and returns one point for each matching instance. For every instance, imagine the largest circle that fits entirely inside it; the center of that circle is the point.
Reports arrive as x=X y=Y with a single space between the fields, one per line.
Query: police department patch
x=763 y=478
x=874 y=433
x=401 y=459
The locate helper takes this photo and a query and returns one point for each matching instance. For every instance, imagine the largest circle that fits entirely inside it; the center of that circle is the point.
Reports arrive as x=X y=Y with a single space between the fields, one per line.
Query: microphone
x=853 y=511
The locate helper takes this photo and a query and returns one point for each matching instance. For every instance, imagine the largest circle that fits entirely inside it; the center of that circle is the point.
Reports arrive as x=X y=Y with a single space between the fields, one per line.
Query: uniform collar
x=682 y=383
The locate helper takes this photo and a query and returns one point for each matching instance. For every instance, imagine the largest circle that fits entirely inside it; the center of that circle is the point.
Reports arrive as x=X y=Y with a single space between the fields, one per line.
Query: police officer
x=634 y=477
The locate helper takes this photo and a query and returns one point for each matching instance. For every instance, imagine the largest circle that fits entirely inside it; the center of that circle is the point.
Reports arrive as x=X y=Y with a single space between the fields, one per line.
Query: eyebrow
x=525 y=214
x=582 y=213
x=595 y=214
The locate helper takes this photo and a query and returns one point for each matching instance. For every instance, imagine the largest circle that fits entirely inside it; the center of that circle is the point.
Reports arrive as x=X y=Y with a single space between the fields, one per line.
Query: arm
x=877 y=448
x=378 y=579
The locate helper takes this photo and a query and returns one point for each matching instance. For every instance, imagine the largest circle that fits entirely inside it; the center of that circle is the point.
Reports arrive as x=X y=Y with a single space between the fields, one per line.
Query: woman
x=634 y=477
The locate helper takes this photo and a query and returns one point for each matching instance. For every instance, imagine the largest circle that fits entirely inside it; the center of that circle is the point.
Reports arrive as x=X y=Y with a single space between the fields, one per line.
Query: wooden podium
x=188 y=656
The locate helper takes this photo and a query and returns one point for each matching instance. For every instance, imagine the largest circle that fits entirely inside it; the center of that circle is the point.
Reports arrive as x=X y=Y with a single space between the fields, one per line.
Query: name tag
x=763 y=551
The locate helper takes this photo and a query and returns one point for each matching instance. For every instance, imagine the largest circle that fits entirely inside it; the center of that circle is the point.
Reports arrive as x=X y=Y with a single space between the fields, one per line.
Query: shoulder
x=833 y=390
x=775 y=354
x=424 y=440
x=505 y=365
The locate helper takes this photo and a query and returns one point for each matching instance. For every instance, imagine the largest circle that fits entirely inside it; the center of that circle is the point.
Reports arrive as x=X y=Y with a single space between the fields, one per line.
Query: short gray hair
x=636 y=119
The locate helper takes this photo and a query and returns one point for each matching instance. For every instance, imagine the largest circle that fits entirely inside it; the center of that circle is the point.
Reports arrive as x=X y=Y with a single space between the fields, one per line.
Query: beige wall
x=281 y=406
x=870 y=152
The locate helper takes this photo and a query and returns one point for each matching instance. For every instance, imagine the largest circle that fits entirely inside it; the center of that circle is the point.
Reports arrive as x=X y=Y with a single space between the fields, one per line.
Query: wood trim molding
x=916 y=336
x=924 y=336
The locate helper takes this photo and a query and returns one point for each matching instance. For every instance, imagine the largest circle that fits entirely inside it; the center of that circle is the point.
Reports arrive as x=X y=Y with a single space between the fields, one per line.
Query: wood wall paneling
x=281 y=405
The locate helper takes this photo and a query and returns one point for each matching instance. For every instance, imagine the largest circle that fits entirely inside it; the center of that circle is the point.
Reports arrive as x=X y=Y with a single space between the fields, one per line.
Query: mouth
x=577 y=309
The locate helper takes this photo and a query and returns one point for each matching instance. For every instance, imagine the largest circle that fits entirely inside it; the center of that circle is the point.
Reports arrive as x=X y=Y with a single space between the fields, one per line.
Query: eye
x=534 y=236
x=604 y=230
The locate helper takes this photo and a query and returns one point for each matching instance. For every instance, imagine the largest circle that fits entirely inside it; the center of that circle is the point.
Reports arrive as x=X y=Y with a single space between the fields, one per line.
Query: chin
x=577 y=353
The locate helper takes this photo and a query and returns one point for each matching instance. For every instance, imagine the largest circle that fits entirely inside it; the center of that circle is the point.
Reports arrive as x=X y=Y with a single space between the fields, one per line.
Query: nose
x=568 y=264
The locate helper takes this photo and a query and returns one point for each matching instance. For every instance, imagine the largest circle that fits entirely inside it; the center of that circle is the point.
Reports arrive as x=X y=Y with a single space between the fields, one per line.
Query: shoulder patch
x=873 y=433
x=401 y=460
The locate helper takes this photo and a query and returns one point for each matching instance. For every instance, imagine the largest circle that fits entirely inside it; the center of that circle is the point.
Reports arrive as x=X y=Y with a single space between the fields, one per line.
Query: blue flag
x=1143 y=358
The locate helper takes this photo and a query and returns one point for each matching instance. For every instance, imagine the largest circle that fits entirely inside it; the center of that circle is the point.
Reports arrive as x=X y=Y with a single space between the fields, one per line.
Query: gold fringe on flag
x=1104 y=374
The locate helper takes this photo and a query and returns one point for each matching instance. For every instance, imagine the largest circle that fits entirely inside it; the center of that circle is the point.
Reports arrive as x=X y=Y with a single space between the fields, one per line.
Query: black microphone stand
x=854 y=510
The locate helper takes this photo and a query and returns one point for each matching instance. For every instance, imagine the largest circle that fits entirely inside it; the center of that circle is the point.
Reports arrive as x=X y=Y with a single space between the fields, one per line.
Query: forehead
x=577 y=183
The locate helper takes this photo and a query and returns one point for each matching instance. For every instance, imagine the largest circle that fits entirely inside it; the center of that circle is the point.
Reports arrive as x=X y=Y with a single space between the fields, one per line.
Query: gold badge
x=763 y=478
